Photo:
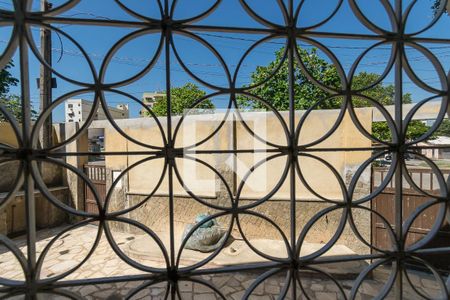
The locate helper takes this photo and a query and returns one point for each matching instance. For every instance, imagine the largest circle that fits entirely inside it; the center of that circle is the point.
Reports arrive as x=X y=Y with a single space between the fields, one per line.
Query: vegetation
x=415 y=130
x=443 y=129
x=12 y=103
x=436 y=6
x=7 y=80
x=183 y=98
x=307 y=94
x=275 y=91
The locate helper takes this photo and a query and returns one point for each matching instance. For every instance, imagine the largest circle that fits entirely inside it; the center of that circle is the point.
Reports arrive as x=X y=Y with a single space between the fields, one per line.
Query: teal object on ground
x=206 y=238
x=201 y=218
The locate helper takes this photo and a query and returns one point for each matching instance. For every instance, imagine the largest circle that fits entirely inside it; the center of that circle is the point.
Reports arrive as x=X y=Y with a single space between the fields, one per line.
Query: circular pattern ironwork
x=167 y=28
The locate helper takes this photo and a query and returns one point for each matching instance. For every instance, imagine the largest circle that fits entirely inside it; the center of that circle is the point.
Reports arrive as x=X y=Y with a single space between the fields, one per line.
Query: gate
x=412 y=199
x=97 y=175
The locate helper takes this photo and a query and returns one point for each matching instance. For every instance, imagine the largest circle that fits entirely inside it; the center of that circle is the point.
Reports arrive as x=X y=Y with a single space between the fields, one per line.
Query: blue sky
x=136 y=54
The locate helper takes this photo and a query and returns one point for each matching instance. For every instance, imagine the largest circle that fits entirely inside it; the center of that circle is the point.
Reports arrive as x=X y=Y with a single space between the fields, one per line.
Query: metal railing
x=22 y=18
x=422 y=178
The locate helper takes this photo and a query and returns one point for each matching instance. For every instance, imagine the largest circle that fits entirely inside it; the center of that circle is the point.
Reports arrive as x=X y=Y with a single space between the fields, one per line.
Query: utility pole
x=45 y=81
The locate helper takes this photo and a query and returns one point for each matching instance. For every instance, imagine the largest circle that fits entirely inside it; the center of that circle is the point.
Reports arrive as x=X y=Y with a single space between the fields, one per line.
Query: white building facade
x=437 y=153
x=149 y=100
x=78 y=110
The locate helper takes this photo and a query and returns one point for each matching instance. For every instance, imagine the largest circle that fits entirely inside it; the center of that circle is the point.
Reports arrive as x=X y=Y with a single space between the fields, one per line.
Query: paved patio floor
x=73 y=247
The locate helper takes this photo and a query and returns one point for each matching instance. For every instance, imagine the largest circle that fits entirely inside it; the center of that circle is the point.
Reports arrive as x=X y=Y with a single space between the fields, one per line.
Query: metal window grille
x=30 y=155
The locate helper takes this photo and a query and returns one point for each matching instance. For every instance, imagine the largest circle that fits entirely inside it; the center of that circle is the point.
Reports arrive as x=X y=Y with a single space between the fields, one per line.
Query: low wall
x=229 y=138
x=13 y=215
x=154 y=213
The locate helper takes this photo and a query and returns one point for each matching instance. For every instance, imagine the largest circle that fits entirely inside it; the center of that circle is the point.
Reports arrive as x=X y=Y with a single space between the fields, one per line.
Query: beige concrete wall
x=12 y=215
x=142 y=178
x=73 y=181
x=316 y=174
x=139 y=182
x=51 y=174
x=429 y=111
x=47 y=215
x=7 y=135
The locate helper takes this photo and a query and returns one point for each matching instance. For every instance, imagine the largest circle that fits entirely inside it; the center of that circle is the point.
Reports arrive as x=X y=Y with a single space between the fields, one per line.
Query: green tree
x=183 y=98
x=443 y=129
x=383 y=94
x=7 y=80
x=12 y=103
x=276 y=90
x=436 y=6
x=415 y=130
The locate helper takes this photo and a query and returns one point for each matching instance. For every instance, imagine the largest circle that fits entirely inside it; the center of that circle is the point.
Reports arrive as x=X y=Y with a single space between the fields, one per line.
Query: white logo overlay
x=238 y=146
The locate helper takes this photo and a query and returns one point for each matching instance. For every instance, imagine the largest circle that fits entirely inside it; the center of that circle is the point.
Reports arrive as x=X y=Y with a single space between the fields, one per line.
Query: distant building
x=96 y=143
x=77 y=110
x=437 y=153
x=150 y=99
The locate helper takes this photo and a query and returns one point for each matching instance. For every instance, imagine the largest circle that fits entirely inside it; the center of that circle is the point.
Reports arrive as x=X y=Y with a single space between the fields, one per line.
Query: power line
x=139 y=63
x=304 y=44
x=136 y=62
x=78 y=12
x=371 y=64
x=97 y=16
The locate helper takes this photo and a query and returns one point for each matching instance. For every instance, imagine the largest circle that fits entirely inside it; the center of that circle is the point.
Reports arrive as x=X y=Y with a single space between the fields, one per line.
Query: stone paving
x=73 y=246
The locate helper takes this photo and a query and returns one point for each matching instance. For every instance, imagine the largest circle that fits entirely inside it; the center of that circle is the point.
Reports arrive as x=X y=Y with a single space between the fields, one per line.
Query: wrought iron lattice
x=30 y=155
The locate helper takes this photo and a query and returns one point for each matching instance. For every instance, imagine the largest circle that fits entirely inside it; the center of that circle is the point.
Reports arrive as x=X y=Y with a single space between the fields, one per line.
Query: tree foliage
x=7 y=80
x=383 y=94
x=12 y=103
x=443 y=129
x=436 y=6
x=307 y=94
x=415 y=130
x=183 y=98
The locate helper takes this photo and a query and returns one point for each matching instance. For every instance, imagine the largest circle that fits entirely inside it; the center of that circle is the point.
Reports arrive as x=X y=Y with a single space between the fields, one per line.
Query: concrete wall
x=141 y=180
x=12 y=215
x=73 y=181
x=427 y=112
x=47 y=215
x=319 y=122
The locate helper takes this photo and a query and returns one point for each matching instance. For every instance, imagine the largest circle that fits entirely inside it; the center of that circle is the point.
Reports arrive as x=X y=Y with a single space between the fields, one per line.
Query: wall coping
x=36 y=191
